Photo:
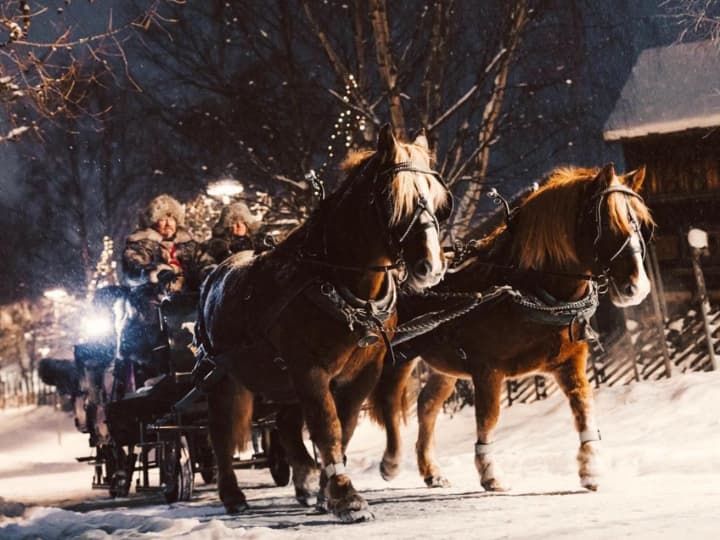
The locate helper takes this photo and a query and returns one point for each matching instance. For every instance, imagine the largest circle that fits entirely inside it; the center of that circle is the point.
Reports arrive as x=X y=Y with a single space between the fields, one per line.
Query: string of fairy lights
x=105 y=270
x=345 y=127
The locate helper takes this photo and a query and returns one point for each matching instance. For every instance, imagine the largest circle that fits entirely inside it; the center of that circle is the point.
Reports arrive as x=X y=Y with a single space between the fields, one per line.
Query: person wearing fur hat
x=232 y=233
x=162 y=249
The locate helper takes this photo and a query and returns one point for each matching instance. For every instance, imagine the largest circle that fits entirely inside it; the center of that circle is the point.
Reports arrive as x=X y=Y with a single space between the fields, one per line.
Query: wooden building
x=668 y=118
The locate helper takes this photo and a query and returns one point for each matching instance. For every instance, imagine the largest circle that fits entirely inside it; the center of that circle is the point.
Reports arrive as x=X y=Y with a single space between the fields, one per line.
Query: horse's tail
x=242 y=413
x=391 y=390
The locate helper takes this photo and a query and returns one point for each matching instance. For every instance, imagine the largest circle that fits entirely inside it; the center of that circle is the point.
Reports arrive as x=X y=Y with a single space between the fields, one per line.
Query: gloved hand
x=166 y=276
x=164 y=270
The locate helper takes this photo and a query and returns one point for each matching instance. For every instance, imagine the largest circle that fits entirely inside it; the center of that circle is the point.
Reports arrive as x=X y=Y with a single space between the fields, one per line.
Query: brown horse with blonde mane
x=584 y=231
x=309 y=321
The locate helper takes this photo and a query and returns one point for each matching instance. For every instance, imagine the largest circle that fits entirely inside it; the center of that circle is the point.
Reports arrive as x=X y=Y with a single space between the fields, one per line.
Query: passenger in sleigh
x=235 y=231
x=160 y=258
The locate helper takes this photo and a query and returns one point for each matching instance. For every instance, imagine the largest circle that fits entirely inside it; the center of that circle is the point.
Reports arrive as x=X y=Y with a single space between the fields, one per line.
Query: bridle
x=395 y=241
x=465 y=251
x=421 y=206
x=637 y=229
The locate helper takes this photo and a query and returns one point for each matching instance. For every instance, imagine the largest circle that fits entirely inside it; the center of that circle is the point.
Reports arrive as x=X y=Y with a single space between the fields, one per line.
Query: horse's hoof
x=494 y=485
x=589 y=482
x=305 y=498
x=321 y=504
x=389 y=470
x=237 y=508
x=355 y=516
x=437 y=481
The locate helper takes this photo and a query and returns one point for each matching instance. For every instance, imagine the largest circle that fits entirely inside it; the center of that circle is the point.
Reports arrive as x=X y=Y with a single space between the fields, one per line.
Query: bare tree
x=695 y=18
x=45 y=51
x=265 y=92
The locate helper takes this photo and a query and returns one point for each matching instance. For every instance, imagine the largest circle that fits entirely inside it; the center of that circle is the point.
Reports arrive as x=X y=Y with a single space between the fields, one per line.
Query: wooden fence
x=637 y=355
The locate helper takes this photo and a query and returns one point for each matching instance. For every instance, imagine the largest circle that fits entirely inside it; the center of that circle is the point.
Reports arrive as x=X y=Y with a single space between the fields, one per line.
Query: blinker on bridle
x=383 y=214
x=422 y=205
x=632 y=217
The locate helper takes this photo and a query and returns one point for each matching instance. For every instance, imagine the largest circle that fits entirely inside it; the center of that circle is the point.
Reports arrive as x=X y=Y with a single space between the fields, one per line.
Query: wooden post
x=704 y=306
x=658 y=318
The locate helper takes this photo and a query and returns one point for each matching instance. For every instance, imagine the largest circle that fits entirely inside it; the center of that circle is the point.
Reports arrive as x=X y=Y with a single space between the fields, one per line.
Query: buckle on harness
x=368 y=338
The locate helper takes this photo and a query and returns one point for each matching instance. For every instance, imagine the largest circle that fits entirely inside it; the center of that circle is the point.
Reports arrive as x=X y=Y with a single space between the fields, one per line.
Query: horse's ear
x=421 y=140
x=606 y=175
x=386 y=142
x=636 y=179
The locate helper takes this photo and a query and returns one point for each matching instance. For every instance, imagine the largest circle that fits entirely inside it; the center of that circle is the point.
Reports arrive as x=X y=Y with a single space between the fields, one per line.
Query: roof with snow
x=670 y=89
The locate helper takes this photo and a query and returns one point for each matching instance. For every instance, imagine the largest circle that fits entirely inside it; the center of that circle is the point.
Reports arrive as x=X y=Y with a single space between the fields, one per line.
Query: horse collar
x=545 y=309
x=343 y=305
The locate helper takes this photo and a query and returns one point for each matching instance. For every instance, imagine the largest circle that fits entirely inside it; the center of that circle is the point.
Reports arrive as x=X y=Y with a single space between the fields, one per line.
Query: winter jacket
x=146 y=254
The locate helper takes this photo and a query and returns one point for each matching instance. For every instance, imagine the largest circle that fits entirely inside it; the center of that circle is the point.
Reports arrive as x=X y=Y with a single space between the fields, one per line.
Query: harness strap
x=399 y=264
x=342 y=305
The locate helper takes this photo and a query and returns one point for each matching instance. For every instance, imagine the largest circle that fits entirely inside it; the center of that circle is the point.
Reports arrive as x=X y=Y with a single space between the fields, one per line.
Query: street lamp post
x=698 y=240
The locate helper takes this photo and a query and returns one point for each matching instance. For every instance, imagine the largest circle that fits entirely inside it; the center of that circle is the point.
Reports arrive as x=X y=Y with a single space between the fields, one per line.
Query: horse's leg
x=437 y=390
x=313 y=389
x=305 y=473
x=488 y=386
x=388 y=408
x=350 y=397
x=229 y=417
x=570 y=376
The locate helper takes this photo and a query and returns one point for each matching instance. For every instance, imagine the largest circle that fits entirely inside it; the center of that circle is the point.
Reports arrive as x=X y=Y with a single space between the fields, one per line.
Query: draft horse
x=308 y=322
x=584 y=230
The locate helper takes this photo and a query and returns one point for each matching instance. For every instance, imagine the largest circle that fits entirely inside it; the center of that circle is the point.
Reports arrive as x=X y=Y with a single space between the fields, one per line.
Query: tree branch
x=386 y=67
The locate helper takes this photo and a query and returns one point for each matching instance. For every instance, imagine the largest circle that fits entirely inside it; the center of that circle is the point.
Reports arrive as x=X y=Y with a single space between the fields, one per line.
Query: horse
x=538 y=275
x=309 y=322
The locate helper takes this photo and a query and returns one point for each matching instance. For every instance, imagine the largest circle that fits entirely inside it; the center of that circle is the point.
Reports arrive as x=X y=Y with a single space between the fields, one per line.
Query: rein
x=597 y=278
x=384 y=268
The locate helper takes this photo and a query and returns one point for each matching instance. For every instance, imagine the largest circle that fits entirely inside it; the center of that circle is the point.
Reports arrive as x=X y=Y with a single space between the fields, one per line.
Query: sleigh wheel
x=277 y=461
x=176 y=470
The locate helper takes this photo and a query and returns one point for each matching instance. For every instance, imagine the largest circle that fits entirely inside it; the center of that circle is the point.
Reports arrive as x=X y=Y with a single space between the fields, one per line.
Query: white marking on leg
x=334 y=469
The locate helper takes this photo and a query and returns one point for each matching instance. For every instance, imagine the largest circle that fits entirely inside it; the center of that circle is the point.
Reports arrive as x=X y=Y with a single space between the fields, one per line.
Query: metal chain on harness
x=429 y=321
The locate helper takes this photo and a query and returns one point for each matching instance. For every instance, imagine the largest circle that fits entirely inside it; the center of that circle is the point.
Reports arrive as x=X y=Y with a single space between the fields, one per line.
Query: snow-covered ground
x=661 y=444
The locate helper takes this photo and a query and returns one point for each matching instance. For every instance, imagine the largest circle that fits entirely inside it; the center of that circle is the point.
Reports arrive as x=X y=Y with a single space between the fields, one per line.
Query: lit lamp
x=224 y=189
x=55 y=294
x=698 y=240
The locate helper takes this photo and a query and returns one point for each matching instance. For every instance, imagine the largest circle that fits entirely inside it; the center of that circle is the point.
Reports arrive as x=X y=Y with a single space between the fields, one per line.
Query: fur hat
x=159 y=207
x=237 y=211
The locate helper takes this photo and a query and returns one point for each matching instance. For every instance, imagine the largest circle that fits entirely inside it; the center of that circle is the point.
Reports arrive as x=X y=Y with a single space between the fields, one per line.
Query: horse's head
x=414 y=202
x=588 y=220
x=621 y=227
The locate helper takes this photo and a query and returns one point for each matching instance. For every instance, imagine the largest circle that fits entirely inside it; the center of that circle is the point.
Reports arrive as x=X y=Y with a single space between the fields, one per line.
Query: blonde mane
x=407 y=186
x=545 y=231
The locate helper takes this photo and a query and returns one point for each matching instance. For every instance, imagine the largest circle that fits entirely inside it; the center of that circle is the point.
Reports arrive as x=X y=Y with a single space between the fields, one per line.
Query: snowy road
x=662 y=480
